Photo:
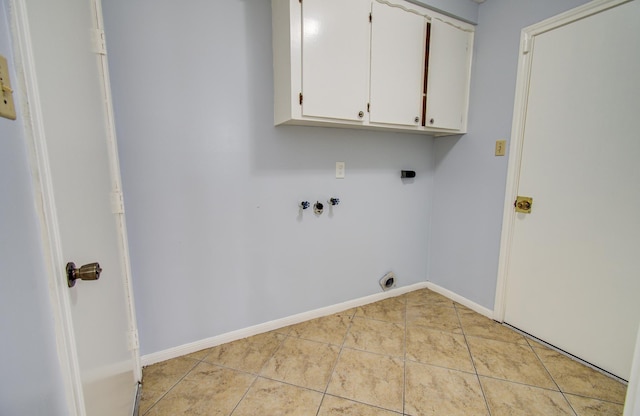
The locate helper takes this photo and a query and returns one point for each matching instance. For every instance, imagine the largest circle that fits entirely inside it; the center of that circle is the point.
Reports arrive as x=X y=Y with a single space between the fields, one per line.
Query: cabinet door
x=448 y=80
x=397 y=65
x=335 y=58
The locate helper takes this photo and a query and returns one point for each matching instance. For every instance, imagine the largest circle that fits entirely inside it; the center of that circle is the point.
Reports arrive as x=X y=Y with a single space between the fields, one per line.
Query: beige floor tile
x=509 y=361
x=415 y=347
x=207 y=390
x=303 y=363
x=198 y=355
x=284 y=330
x=513 y=399
x=389 y=310
x=477 y=325
x=376 y=336
x=440 y=348
x=576 y=378
x=536 y=344
x=426 y=296
x=160 y=377
x=368 y=378
x=439 y=391
x=336 y=406
x=434 y=316
x=268 y=397
x=248 y=354
x=330 y=329
x=585 y=406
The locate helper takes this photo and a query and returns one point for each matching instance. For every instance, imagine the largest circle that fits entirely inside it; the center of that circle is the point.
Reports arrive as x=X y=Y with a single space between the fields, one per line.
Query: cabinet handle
x=361 y=114
x=432 y=121
x=417 y=119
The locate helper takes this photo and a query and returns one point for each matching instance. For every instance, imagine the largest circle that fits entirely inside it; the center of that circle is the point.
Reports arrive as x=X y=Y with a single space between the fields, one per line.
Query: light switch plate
x=7 y=108
x=501 y=147
x=340 y=168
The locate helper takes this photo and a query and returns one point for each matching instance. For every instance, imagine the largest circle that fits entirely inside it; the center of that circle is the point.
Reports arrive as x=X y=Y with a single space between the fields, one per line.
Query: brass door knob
x=523 y=204
x=89 y=271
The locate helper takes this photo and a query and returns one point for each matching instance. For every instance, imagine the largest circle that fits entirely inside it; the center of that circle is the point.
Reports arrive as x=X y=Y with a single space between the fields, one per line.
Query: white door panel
x=397 y=65
x=448 y=81
x=335 y=58
x=573 y=268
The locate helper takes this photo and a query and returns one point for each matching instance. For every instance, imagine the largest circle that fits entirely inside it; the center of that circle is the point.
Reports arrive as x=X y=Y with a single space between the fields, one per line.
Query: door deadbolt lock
x=523 y=204
x=89 y=271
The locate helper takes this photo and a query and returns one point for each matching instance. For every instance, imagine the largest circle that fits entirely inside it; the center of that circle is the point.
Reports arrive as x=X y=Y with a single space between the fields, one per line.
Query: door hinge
x=99 y=42
x=134 y=343
x=368 y=107
x=370 y=17
x=300 y=97
x=117 y=203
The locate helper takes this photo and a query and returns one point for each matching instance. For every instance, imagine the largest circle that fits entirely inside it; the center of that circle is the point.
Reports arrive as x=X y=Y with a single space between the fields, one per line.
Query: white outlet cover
x=340 y=170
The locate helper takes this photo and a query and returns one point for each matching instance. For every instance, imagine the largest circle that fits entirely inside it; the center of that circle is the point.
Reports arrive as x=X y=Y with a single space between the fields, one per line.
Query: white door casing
x=65 y=92
x=567 y=269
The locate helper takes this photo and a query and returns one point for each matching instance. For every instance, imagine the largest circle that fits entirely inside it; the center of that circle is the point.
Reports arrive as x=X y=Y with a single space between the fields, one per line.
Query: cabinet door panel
x=335 y=58
x=447 y=86
x=397 y=65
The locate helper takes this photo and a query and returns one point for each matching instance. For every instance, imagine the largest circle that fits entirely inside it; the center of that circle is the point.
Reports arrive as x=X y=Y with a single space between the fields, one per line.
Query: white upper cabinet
x=370 y=64
x=448 y=81
x=398 y=41
x=335 y=58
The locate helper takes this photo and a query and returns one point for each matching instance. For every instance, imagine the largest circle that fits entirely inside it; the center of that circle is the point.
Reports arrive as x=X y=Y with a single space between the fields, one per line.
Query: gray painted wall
x=30 y=380
x=469 y=179
x=211 y=187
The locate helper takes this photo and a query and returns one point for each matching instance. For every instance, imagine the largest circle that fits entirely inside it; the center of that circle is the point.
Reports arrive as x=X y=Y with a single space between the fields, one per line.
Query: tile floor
x=415 y=354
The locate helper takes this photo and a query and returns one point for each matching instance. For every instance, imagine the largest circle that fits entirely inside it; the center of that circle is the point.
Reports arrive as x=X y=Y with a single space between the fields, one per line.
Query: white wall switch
x=501 y=147
x=7 y=109
x=340 y=168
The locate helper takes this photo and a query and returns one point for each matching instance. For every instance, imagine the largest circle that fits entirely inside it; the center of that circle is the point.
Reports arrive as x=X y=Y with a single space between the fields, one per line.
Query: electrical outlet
x=7 y=108
x=501 y=147
x=340 y=170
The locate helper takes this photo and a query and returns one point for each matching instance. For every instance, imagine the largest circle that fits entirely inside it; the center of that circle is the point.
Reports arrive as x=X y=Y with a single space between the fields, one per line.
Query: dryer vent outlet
x=388 y=281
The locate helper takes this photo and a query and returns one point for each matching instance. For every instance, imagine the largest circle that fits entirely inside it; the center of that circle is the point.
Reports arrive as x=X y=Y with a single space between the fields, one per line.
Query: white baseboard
x=461 y=300
x=181 y=350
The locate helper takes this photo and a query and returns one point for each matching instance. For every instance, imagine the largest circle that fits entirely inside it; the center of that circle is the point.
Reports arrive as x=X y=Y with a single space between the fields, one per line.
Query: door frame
x=525 y=58
x=29 y=100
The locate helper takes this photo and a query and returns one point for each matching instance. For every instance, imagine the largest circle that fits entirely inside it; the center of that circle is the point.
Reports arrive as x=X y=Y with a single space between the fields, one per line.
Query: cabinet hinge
x=99 y=43
x=368 y=107
x=117 y=203
x=370 y=17
x=134 y=343
x=300 y=97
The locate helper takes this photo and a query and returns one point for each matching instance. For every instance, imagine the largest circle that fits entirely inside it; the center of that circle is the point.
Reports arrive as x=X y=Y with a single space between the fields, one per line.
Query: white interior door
x=335 y=58
x=572 y=275
x=77 y=164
